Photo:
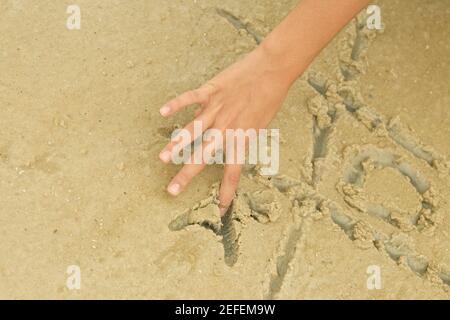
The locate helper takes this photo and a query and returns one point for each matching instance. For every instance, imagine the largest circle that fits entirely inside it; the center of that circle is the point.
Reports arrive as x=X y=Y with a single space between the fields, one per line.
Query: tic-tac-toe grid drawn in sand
x=384 y=225
x=82 y=185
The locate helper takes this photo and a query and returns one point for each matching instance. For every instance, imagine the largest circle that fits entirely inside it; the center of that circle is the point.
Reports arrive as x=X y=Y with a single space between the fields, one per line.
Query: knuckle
x=212 y=87
x=210 y=90
x=177 y=102
x=193 y=95
x=183 y=178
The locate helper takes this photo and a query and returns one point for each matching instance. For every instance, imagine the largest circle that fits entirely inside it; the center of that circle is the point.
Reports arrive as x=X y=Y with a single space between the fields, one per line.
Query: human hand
x=246 y=95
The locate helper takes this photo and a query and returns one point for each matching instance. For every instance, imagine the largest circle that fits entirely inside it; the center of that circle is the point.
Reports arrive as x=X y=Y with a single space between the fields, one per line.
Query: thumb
x=228 y=187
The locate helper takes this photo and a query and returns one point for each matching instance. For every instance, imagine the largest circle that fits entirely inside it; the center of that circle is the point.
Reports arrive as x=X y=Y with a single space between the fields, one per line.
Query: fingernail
x=165 y=156
x=164 y=111
x=174 y=189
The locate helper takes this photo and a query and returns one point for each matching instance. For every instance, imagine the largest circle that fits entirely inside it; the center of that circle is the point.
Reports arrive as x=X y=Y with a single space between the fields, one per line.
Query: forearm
x=299 y=38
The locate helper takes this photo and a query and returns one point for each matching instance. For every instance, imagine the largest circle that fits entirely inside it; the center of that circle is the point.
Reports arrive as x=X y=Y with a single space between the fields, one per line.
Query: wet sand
x=82 y=185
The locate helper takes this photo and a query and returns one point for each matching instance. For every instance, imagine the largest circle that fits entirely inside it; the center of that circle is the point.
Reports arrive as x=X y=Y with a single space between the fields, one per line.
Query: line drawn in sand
x=207 y=214
x=239 y=24
x=398 y=245
x=335 y=97
x=260 y=206
x=372 y=158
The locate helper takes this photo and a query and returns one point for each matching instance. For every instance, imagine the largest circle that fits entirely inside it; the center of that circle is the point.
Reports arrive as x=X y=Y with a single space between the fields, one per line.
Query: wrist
x=280 y=60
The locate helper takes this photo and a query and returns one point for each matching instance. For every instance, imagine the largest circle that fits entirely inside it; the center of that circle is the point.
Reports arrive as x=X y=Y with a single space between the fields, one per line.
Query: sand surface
x=364 y=157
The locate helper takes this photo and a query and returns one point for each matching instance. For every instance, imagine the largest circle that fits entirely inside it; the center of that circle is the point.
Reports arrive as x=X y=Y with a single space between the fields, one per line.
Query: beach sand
x=364 y=180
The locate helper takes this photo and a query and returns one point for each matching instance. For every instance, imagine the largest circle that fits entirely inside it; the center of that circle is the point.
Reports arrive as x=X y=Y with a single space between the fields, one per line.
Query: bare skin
x=249 y=93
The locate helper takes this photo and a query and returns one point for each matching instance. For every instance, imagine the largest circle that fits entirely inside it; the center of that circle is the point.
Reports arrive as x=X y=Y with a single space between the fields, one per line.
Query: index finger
x=197 y=96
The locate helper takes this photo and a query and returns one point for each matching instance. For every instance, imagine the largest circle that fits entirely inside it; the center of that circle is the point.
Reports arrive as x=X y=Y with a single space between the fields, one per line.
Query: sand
x=364 y=179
